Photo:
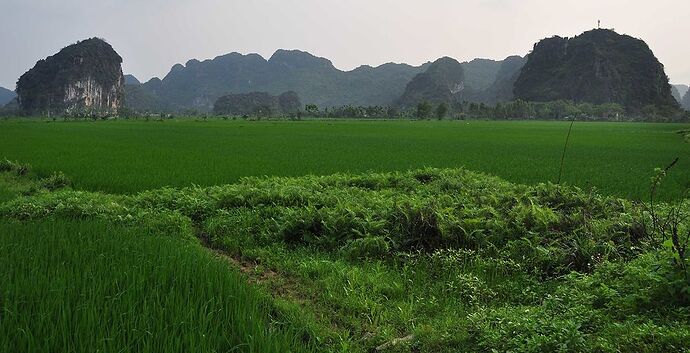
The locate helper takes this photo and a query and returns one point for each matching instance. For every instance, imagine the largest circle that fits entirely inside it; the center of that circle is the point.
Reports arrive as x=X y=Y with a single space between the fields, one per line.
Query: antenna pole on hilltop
x=599 y=24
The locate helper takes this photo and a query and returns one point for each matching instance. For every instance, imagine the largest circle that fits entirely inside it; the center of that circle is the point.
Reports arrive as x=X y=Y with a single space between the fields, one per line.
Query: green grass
x=452 y=259
x=126 y=156
x=462 y=261
x=71 y=286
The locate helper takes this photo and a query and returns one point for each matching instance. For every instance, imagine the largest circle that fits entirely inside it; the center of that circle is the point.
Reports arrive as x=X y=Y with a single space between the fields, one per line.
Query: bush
x=18 y=168
x=55 y=181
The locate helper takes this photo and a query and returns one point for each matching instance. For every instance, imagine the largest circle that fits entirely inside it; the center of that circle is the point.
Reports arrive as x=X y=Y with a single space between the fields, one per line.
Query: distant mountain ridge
x=6 y=96
x=131 y=80
x=679 y=91
x=257 y=103
x=197 y=84
x=599 y=66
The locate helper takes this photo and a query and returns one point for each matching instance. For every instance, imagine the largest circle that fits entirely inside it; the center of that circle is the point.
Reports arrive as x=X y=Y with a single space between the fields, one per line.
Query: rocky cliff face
x=599 y=66
x=84 y=77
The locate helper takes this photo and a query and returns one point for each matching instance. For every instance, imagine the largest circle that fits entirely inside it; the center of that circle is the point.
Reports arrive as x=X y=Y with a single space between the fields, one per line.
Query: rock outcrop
x=198 y=84
x=599 y=66
x=83 y=77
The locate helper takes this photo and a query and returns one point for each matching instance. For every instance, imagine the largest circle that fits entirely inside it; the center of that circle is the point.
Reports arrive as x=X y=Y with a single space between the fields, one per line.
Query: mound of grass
x=16 y=179
x=86 y=286
x=431 y=260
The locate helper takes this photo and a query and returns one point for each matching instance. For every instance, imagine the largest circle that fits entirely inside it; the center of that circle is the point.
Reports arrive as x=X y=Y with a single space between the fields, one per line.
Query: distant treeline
x=515 y=110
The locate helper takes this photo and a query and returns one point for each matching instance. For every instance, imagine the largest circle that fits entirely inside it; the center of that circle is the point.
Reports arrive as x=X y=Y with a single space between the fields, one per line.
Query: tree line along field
x=128 y=156
x=157 y=237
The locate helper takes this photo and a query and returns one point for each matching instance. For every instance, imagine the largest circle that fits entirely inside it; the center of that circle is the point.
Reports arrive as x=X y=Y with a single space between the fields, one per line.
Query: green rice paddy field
x=407 y=243
x=131 y=156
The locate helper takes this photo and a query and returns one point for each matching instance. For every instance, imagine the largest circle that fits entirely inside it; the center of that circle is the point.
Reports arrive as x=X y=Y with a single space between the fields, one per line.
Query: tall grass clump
x=88 y=286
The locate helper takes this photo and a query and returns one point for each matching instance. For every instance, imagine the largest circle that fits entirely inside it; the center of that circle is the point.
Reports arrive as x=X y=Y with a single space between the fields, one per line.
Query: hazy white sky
x=153 y=35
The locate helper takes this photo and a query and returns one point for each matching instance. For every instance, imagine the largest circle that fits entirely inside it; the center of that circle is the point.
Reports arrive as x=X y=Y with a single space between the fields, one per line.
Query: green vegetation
x=433 y=260
x=260 y=104
x=131 y=156
x=91 y=287
x=17 y=179
x=150 y=249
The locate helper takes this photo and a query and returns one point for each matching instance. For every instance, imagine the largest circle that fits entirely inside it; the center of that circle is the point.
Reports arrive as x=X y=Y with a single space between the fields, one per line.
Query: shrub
x=55 y=181
x=18 y=168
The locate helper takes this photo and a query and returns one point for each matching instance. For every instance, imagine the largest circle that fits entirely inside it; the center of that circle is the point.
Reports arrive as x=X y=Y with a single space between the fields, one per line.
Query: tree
x=441 y=111
x=311 y=109
x=423 y=110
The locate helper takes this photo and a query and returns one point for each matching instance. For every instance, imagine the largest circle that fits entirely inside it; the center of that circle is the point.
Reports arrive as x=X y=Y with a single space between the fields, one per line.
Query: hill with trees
x=83 y=77
x=599 y=66
x=259 y=104
x=197 y=84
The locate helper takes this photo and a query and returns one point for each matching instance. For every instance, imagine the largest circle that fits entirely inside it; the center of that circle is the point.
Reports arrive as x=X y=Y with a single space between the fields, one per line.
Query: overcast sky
x=153 y=35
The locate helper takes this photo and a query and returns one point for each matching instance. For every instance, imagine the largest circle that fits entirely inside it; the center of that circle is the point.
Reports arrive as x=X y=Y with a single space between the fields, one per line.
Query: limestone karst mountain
x=598 y=66
x=197 y=84
x=86 y=76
